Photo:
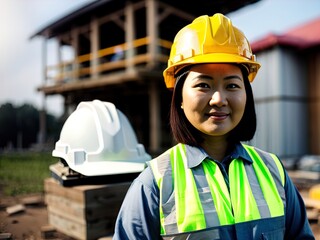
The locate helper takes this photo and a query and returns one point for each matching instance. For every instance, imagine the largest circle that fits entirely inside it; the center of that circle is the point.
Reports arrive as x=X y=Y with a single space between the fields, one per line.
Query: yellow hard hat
x=209 y=40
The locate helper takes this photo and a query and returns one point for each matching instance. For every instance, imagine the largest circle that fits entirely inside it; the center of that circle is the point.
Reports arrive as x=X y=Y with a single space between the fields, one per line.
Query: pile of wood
x=311 y=198
x=313 y=209
x=308 y=185
x=304 y=179
x=84 y=212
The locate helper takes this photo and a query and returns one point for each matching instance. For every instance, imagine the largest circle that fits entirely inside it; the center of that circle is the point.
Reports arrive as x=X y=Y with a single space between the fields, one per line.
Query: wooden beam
x=154 y=116
x=94 y=38
x=152 y=30
x=115 y=17
x=177 y=12
x=129 y=37
x=75 y=45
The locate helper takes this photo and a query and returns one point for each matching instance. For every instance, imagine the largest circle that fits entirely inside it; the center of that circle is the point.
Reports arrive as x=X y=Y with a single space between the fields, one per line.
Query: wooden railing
x=108 y=60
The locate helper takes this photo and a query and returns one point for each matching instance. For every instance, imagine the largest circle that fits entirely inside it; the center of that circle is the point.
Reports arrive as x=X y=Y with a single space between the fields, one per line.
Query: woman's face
x=214 y=98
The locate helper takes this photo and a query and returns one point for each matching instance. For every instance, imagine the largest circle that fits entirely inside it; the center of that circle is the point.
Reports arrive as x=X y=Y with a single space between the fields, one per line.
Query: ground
x=27 y=225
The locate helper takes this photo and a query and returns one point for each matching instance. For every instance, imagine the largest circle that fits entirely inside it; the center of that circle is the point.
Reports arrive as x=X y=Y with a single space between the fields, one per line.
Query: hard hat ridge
x=220 y=32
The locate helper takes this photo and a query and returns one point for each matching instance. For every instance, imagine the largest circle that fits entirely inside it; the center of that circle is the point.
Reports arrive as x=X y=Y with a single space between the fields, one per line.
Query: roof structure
x=302 y=37
x=103 y=7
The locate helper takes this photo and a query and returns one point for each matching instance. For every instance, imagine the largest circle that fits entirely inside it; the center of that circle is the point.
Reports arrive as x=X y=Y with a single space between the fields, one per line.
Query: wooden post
x=61 y=69
x=94 y=37
x=129 y=36
x=152 y=30
x=154 y=111
x=75 y=44
x=42 y=113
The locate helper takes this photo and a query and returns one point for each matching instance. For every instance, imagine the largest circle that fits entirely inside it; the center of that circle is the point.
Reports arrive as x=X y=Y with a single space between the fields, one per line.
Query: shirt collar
x=195 y=155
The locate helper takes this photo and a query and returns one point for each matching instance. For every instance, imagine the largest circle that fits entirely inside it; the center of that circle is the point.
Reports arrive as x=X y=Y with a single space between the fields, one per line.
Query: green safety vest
x=193 y=199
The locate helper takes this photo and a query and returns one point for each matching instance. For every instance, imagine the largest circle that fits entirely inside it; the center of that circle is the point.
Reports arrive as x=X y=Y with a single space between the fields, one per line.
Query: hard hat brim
x=92 y=167
x=109 y=168
x=169 y=72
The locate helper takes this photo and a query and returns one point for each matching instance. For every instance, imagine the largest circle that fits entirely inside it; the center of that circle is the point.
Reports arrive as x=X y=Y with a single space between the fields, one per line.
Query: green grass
x=24 y=173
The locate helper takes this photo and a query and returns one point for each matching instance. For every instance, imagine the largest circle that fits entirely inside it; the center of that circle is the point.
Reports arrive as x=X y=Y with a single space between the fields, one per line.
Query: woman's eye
x=202 y=85
x=232 y=86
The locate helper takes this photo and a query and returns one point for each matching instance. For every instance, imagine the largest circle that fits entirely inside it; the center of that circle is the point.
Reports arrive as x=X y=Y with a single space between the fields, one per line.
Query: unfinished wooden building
x=120 y=50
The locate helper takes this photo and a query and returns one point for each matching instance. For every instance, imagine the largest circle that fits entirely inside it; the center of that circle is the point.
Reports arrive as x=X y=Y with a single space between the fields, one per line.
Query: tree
x=19 y=126
x=8 y=125
x=28 y=125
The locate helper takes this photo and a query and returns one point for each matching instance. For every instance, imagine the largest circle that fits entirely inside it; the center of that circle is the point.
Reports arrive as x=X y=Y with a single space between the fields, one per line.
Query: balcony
x=116 y=64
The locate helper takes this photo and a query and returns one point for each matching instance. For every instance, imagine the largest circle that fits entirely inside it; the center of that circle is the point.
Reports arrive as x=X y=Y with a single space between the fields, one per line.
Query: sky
x=21 y=70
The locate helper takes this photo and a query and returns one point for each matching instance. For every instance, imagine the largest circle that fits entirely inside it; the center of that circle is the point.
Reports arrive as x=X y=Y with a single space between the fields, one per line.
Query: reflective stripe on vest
x=199 y=198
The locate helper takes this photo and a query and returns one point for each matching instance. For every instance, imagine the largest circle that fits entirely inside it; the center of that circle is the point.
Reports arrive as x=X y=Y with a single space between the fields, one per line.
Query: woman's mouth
x=218 y=116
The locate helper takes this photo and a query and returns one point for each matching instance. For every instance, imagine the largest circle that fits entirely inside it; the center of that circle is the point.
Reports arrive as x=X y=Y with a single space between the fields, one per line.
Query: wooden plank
x=89 y=212
x=312 y=203
x=87 y=194
x=5 y=236
x=32 y=200
x=313 y=215
x=81 y=231
x=15 y=209
x=107 y=193
x=74 y=213
x=304 y=175
x=52 y=186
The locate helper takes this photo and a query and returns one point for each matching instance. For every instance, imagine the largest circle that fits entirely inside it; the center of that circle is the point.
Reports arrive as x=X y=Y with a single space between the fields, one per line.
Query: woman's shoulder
x=271 y=160
x=146 y=177
x=145 y=182
x=164 y=156
x=257 y=149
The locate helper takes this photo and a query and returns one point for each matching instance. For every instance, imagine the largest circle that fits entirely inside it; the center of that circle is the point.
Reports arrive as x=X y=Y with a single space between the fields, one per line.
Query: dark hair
x=184 y=132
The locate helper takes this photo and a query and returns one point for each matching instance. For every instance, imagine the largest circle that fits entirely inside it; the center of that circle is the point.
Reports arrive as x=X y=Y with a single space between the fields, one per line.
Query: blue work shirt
x=138 y=217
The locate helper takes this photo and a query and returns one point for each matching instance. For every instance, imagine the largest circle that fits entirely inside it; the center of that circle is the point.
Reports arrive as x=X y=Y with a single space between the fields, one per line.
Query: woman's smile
x=218 y=116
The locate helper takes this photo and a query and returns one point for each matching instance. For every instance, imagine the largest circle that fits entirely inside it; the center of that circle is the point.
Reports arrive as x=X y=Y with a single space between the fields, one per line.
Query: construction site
x=120 y=49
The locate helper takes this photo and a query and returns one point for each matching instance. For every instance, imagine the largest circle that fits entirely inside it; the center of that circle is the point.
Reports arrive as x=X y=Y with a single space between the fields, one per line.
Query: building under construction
x=120 y=49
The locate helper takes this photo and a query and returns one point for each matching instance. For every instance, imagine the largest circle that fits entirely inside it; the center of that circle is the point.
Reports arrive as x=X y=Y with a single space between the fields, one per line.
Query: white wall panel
x=282 y=127
x=282 y=110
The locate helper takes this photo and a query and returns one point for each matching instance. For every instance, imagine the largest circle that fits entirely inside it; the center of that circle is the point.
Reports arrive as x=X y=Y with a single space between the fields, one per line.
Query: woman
x=210 y=185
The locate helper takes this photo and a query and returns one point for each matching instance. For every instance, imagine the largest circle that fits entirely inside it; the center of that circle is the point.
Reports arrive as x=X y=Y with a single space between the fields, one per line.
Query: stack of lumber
x=313 y=209
x=84 y=212
x=304 y=179
x=311 y=198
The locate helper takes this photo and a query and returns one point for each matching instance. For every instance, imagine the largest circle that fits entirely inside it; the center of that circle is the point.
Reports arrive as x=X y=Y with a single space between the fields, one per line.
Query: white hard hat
x=97 y=139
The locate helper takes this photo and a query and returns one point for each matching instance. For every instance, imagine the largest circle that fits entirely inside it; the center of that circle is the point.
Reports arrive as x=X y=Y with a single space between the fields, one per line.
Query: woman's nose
x=218 y=99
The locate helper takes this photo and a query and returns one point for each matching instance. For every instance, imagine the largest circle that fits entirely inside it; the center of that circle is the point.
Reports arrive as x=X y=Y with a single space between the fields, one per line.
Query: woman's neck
x=217 y=148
